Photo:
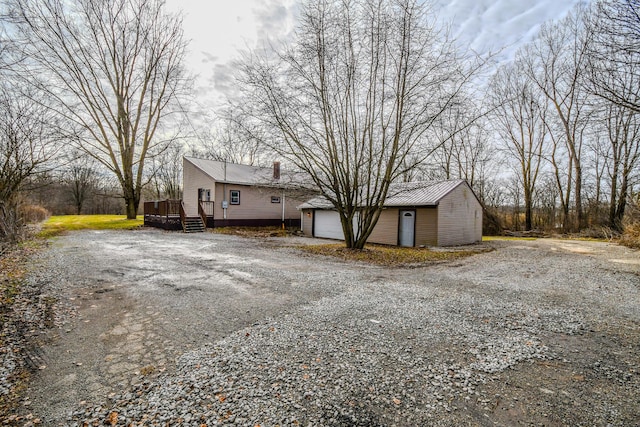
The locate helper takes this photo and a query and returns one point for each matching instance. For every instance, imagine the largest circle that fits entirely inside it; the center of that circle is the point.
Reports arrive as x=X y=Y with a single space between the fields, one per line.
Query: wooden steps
x=193 y=224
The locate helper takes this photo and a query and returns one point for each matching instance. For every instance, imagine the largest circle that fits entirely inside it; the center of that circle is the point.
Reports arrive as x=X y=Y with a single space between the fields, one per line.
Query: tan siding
x=386 y=230
x=194 y=178
x=426 y=227
x=307 y=222
x=459 y=218
x=255 y=203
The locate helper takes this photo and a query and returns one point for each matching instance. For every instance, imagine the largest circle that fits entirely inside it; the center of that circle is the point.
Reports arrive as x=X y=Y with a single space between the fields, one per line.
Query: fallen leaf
x=112 y=418
x=396 y=401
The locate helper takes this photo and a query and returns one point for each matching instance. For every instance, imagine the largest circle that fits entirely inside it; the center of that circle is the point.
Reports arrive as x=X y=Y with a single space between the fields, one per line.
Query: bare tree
x=352 y=97
x=623 y=157
x=230 y=141
x=112 y=69
x=81 y=179
x=167 y=176
x=615 y=78
x=26 y=145
x=615 y=52
x=556 y=62
x=519 y=116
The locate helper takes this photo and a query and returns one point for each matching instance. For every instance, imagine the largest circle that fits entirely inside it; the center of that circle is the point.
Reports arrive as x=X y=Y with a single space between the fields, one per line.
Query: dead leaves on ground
x=392 y=256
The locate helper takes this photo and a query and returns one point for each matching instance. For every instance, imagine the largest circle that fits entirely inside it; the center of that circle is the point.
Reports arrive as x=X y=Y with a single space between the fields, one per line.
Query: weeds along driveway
x=192 y=329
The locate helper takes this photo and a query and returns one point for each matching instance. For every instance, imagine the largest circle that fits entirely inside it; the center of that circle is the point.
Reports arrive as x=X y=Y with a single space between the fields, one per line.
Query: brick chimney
x=276 y=171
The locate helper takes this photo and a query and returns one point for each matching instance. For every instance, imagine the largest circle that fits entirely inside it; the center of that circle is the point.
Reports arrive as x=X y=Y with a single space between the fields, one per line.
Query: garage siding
x=427 y=227
x=386 y=230
x=307 y=222
x=459 y=218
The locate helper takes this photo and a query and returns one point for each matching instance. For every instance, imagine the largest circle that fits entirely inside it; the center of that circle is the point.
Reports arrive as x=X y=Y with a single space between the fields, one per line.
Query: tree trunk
x=581 y=219
x=132 y=207
x=528 y=209
x=622 y=204
x=614 y=197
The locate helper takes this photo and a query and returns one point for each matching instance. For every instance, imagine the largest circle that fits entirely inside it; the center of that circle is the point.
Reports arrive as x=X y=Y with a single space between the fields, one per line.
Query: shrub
x=33 y=213
x=631 y=235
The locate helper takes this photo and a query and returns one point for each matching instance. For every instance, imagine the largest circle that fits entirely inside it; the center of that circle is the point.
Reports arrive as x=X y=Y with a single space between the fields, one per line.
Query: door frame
x=415 y=216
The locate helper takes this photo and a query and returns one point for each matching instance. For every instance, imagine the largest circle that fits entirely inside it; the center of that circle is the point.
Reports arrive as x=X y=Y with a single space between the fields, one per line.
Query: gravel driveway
x=157 y=328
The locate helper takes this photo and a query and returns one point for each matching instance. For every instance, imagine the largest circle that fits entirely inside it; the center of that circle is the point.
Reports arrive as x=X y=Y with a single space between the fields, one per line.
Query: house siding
x=386 y=230
x=427 y=227
x=255 y=203
x=307 y=222
x=194 y=179
x=459 y=218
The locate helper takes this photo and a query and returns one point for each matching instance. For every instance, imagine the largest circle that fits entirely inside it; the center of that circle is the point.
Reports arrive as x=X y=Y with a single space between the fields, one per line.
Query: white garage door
x=327 y=225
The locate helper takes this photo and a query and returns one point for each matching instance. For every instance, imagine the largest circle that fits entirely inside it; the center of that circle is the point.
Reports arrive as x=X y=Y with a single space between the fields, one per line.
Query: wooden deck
x=165 y=214
x=170 y=215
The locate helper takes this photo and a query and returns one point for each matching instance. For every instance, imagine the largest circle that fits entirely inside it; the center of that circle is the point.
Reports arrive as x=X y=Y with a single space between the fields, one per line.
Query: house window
x=275 y=199
x=234 y=197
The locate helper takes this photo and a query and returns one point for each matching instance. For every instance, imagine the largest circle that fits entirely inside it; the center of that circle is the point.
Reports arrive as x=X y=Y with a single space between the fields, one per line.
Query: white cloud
x=219 y=29
x=491 y=25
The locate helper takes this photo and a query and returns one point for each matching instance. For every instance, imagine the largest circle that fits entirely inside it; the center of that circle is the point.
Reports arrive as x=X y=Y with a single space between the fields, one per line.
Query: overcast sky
x=218 y=29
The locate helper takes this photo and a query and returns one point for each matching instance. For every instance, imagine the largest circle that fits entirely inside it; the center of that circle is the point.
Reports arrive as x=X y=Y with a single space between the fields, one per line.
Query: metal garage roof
x=419 y=193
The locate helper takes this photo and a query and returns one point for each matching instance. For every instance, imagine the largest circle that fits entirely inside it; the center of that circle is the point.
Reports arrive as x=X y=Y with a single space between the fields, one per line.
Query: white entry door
x=407 y=228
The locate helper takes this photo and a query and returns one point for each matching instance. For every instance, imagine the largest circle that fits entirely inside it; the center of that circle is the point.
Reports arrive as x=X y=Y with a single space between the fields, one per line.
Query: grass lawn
x=62 y=223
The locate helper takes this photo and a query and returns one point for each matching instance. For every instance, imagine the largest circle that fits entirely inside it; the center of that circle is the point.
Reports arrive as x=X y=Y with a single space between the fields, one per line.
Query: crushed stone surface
x=158 y=328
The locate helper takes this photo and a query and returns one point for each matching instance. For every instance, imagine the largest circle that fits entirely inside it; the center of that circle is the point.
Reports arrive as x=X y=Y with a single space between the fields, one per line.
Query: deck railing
x=165 y=214
x=205 y=210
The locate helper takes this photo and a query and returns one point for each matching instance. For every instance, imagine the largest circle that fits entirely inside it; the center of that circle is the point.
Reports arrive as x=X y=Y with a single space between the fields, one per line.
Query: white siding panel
x=459 y=218
x=194 y=178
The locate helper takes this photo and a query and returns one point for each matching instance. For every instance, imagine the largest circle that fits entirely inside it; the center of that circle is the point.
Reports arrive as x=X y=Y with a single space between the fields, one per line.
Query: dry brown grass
x=14 y=264
x=257 y=232
x=392 y=256
x=631 y=235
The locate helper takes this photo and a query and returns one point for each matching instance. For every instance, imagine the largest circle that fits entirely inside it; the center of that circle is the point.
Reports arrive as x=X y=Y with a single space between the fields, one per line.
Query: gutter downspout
x=224 y=193
x=283 y=203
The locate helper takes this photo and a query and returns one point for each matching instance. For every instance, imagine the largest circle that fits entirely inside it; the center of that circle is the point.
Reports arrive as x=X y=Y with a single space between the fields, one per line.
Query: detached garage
x=439 y=213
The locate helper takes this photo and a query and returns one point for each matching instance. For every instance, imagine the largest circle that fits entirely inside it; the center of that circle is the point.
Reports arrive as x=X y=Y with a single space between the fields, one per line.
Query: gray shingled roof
x=232 y=173
x=420 y=193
